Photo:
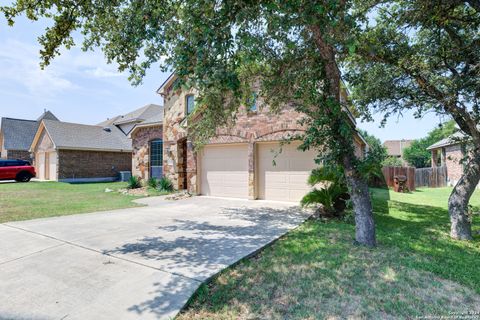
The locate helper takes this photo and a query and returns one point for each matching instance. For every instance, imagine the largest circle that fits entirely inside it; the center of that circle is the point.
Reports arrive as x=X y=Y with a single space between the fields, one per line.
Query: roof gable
x=18 y=134
x=67 y=135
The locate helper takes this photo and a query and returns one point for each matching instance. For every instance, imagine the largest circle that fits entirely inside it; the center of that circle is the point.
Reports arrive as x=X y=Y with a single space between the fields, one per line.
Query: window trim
x=186 y=104
x=158 y=140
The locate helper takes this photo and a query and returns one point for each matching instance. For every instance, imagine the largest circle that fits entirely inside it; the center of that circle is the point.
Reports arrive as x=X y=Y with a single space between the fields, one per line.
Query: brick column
x=252 y=194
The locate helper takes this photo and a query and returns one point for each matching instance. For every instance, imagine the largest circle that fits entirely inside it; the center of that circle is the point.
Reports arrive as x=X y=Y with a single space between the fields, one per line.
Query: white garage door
x=40 y=165
x=52 y=162
x=224 y=171
x=286 y=180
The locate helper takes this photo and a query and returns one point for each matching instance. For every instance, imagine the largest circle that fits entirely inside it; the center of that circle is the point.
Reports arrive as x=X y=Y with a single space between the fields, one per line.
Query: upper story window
x=190 y=104
x=253 y=103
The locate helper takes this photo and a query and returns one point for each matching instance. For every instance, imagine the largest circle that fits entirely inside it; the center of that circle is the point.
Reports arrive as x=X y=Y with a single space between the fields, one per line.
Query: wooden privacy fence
x=431 y=177
x=390 y=172
x=424 y=177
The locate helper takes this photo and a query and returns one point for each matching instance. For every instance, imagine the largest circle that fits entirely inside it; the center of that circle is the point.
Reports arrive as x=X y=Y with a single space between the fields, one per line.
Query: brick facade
x=450 y=156
x=453 y=157
x=18 y=154
x=180 y=162
x=74 y=164
x=141 y=138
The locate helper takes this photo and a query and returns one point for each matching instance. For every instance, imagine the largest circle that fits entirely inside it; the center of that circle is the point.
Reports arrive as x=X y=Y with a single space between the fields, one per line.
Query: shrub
x=164 y=184
x=134 y=183
x=331 y=194
x=152 y=183
x=392 y=162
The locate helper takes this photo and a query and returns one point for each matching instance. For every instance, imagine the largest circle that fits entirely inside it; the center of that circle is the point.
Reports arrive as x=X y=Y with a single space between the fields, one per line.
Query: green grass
x=24 y=201
x=316 y=271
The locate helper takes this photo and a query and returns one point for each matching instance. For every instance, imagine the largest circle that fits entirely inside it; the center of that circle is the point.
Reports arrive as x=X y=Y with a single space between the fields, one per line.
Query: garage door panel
x=224 y=171
x=286 y=179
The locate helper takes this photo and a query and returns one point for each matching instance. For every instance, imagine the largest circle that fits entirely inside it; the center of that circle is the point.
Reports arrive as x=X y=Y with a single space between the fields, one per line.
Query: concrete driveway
x=140 y=263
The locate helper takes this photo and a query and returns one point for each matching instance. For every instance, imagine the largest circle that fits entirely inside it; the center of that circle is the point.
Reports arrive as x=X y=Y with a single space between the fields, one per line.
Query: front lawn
x=316 y=272
x=24 y=201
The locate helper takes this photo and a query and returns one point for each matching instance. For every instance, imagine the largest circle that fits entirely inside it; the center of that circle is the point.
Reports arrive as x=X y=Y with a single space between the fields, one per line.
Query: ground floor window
x=156 y=158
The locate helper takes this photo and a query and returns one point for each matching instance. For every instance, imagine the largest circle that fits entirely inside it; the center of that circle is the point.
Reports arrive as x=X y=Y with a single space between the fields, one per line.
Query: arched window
x=190 y=103
x=156 y=158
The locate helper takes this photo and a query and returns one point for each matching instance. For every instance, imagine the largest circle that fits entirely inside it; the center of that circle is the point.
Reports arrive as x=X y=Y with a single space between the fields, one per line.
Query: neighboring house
x=16 y=136
x=238 y=162
x=147 y=145
x=128 y=121
x=76 y=152
x=144 y=127
x=449 y=152
x=395 y=147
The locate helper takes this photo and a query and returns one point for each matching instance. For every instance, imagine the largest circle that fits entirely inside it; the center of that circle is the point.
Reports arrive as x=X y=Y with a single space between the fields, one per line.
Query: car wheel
x=23 y=177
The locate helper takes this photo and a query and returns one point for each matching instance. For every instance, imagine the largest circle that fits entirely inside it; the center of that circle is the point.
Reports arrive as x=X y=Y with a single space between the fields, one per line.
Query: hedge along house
x=16 y=136
x=238 y=162
x=72 y=152
x=147 y=145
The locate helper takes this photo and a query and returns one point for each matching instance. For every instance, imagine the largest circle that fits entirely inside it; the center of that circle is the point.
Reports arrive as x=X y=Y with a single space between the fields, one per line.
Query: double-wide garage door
x=279 y=176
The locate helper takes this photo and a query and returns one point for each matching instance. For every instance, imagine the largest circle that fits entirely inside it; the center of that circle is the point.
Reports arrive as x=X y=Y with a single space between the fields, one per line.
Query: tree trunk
x=362 y=205
x=461 y=225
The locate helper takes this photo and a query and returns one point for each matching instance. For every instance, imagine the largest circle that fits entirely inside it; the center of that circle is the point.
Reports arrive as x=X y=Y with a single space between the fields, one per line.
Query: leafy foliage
x=134 y=183
x=392 y=162
x=164 y=184
x=152 y=182
x=285 y=52
x=371 y=166
x=330 y=190
x=417 y=154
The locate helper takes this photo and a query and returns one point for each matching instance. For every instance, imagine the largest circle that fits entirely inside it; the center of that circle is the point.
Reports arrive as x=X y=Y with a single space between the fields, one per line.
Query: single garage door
x=287 y=179
x=224 y=171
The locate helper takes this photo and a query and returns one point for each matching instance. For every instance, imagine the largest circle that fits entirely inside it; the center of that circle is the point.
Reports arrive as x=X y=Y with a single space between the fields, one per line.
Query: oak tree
x=288 y=49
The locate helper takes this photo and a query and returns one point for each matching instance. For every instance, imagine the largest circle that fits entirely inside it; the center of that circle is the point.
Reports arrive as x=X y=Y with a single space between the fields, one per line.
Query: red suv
x=18 y=170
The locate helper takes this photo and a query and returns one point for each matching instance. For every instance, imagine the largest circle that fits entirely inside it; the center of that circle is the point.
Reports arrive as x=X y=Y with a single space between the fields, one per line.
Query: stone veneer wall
x=250 y=127
x=141 y=149
x=92 y=164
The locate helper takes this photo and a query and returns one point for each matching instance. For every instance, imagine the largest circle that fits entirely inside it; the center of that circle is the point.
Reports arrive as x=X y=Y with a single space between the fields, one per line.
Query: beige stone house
x=238 y=162
x=16 y=136
x=73 y=152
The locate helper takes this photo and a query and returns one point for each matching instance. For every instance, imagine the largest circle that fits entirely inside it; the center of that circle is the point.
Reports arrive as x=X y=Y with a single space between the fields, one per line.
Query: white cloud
x=99 y=72
x=19 y=63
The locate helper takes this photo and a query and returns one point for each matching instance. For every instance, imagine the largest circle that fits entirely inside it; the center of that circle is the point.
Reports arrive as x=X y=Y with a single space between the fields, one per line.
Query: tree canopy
x=423 y=55
x=417 y=154
x=228 y=50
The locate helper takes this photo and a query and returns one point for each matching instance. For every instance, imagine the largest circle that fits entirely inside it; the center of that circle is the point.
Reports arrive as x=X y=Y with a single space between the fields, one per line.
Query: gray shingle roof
x=19 y=133
x=138 y=115
x=67 y=135
x=455 y=138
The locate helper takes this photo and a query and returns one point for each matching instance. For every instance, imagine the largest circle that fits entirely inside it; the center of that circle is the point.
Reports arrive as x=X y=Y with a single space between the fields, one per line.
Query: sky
x=81 y=87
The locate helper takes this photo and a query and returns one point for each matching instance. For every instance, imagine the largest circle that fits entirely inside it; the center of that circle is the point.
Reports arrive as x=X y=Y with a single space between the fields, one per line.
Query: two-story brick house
x=241 y=162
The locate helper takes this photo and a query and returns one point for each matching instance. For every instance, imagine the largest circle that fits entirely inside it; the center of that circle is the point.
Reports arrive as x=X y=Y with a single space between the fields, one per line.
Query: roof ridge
x=18 y=119
x=76 y=123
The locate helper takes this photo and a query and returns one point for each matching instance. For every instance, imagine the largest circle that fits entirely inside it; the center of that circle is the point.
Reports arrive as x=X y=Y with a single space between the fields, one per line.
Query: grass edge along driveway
x=25 y=201
x=316 y=272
